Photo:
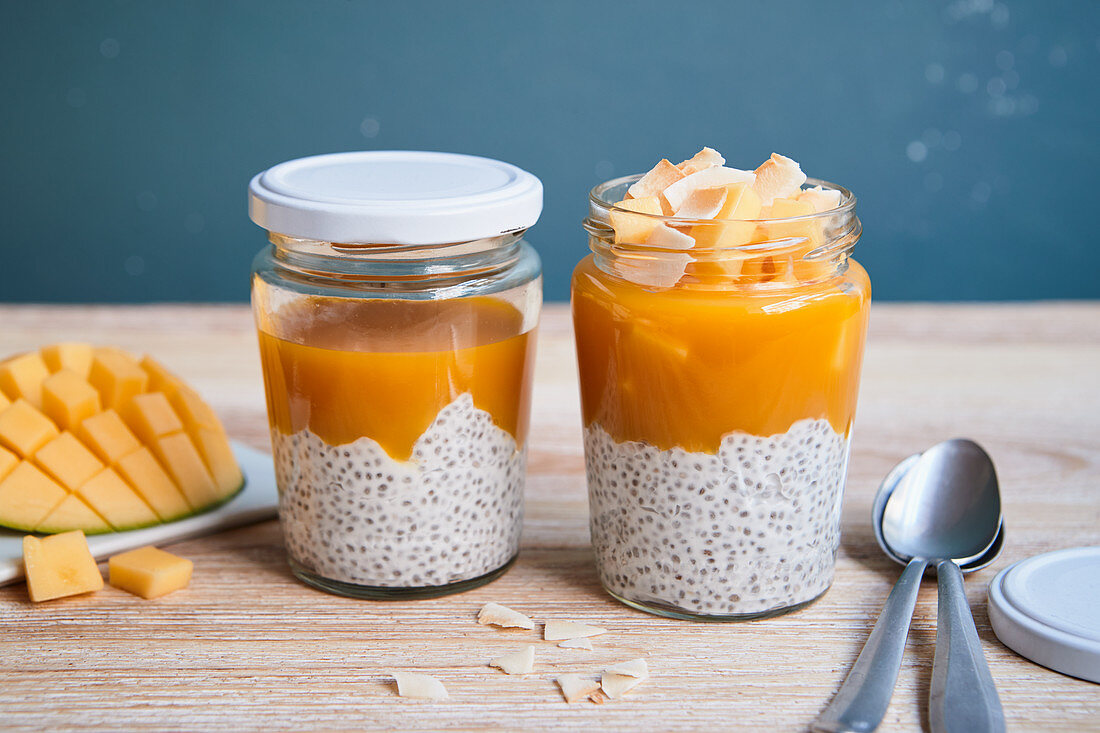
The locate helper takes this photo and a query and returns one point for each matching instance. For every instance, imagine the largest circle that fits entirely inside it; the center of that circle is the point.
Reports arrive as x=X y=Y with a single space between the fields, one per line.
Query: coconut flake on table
x=581 y=643
x=634 y=668
x=558 y=630
x=497 y=615
x=575 y=688
x=419 y=686
x=617 y=685
x=521 y=662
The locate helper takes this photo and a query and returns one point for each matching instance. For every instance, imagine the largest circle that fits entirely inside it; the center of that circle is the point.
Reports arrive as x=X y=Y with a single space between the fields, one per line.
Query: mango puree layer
x=384 y=368
x=684 y=366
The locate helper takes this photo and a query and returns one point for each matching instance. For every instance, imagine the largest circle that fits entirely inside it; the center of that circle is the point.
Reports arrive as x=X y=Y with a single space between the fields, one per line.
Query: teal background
x=129 y=130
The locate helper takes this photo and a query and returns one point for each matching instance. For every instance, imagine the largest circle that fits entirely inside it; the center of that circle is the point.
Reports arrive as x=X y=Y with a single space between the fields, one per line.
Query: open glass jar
x=396 y=307
x=718 y=388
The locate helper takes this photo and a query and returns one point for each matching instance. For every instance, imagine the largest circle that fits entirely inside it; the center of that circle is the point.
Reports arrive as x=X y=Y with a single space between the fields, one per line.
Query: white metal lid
x=394 y=197
x=1047 y=608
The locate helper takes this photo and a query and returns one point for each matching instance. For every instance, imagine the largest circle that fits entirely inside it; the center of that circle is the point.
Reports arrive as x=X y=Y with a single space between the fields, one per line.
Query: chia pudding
x=451 y=513
x=751 y=530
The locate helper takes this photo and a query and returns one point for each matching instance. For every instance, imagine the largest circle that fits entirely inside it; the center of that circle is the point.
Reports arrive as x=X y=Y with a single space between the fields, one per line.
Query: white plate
x=258 y=501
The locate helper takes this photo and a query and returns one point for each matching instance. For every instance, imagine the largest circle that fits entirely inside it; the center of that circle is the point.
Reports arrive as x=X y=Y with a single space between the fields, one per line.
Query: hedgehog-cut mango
x=93 y=439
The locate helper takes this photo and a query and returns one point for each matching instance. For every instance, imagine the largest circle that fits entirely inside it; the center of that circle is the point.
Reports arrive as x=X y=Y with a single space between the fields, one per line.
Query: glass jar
x=718 y=389
x=398 y=372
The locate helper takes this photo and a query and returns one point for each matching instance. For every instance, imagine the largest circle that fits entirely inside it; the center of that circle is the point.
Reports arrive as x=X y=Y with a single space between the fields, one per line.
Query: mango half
x=94 y=439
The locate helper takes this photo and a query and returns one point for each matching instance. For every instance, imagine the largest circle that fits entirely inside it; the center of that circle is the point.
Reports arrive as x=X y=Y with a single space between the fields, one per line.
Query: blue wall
x=129 y=130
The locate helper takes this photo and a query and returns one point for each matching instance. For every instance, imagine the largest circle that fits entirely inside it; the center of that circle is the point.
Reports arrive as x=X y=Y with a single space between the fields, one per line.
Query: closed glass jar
x=398 y=379
x=718 y=389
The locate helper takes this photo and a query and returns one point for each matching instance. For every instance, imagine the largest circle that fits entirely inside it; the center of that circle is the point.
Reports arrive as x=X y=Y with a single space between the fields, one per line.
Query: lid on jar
x=394 y=197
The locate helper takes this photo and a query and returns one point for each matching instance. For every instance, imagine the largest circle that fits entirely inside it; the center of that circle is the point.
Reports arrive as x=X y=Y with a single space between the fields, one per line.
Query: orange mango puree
x=685 y=366
x=384 y=369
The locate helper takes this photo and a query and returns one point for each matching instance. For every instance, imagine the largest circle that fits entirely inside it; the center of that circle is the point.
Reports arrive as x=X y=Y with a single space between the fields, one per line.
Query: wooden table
x=248 y=647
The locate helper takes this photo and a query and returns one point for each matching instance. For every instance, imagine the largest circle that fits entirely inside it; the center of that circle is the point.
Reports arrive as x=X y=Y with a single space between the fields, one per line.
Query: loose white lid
x=1047 y=608
x=394 y=197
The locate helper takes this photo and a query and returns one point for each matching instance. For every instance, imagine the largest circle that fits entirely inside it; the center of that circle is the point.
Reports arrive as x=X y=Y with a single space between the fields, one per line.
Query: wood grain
x=248 y=647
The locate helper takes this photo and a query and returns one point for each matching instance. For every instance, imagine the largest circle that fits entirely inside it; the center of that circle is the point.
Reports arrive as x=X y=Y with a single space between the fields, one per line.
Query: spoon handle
x=963 y=695
x=865 y=694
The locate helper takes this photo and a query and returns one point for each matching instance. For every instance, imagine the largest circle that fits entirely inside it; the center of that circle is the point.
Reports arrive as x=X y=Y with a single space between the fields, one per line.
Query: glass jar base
x=390 y=593
x=670 y=611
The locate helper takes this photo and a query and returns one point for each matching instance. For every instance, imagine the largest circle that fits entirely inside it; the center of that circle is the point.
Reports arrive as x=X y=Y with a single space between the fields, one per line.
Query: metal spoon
x=960 y=476
x=863 y=698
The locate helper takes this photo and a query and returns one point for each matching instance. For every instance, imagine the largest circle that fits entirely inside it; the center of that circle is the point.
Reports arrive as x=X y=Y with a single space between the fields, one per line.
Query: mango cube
x=71 y=355
x=22 y=376
x=24 y=429
x=28 y=496
x=160 y=379
x=149 y=572
x=117 y=377
x=194 y=412
x=184 y=464
x=114 y=500
x=60 y=565
x=108 y=436
x=8 y=461
x=67 y=460
x=73 y=513
x=150 y=416
x=68 y=399
x=151 y=482
x=4 y=402
x=632 y=228
x=805 y=235
x=214 y=447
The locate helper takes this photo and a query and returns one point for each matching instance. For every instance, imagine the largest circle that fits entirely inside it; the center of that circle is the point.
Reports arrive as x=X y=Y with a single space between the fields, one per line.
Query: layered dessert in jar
x=398 y=376
x=720 y=323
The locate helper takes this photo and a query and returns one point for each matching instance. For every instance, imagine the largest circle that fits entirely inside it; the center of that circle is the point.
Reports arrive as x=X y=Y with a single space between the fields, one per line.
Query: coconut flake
x=582 y=643
x=822 y=199
x=662 y=272
x=717 y=176
x=617 y=685
x=666 y=237
x=575 y=688
x=705 y=158
x=778 y=177
x=498 y=615
x=558 y=630
x=520 y=662
x=656 y=180
x=702 y=203
x=634 y=668
x=419 y=686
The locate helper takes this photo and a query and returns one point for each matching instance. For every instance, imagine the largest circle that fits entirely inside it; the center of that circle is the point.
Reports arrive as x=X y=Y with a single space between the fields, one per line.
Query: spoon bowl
x=878 y=509
x=947 y=505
